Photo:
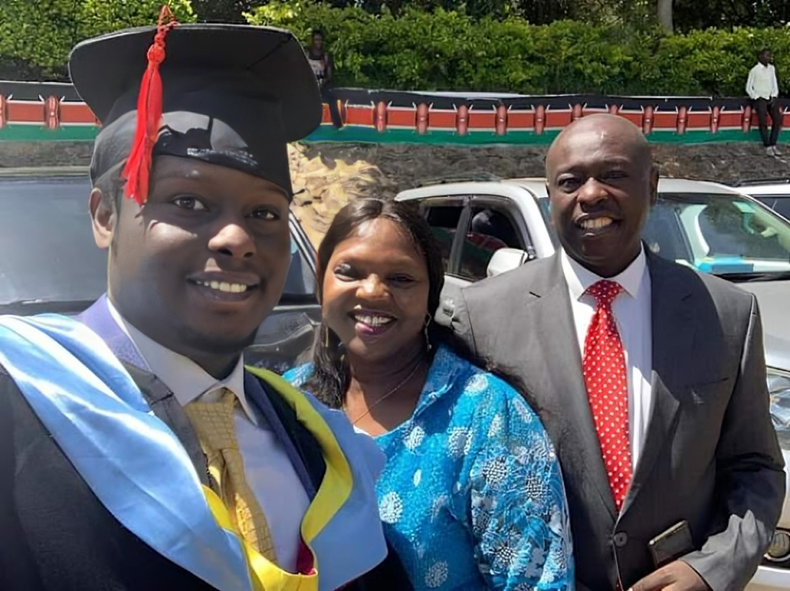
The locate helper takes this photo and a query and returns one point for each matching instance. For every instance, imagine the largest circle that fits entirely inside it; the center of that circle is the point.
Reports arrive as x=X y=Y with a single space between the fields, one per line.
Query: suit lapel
x=673 y=328
x=550 y=316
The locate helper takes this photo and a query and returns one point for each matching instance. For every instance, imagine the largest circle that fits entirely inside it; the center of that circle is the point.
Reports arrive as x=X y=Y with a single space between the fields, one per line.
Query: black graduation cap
x=232 y=95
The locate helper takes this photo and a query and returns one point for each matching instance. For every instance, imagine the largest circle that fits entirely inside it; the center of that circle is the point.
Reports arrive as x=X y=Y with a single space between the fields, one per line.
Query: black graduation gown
x=56 y=535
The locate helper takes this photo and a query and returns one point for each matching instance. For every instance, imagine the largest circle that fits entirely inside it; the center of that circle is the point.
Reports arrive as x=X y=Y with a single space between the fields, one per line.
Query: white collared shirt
x=762 y=82
x=269 y=471
x=632 y=313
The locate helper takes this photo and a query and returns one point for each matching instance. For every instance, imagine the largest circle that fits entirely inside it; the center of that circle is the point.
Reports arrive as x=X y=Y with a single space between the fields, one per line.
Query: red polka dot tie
x=607 y=388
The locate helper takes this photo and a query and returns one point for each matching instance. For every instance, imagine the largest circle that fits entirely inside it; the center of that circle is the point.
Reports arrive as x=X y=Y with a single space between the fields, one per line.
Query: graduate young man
x=136 y=451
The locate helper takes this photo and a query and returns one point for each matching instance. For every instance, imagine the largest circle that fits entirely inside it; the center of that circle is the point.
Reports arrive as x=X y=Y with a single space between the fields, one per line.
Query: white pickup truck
x=488 y=226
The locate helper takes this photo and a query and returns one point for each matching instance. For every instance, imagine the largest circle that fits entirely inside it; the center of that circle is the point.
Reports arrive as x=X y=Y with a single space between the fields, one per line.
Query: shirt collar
x=580 y=279
x=185 y=378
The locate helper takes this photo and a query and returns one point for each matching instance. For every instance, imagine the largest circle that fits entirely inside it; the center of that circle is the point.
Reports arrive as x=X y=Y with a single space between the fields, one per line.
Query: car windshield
x=47 y=242
x=50 y=261
x=719 y=233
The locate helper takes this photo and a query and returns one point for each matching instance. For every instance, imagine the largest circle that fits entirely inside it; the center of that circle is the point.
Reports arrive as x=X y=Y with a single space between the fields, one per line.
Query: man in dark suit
x=136 y=450
x=649 y=377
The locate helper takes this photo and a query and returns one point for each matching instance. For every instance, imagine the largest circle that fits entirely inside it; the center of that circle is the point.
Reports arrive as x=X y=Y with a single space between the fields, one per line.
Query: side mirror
x=506 y=259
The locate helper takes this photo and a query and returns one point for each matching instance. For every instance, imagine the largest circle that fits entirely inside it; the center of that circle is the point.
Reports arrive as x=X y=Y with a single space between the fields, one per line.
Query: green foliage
x=224 y=11
x=688 y=14
x=473 y=45
x=450 y=50
x=703 y=14
x=40 y=33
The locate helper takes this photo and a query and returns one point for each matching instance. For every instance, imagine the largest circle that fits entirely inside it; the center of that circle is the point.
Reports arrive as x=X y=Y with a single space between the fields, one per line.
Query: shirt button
x=620 y=539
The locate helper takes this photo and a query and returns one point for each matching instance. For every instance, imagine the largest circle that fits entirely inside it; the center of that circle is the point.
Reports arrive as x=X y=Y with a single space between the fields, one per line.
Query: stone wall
x=408 y=166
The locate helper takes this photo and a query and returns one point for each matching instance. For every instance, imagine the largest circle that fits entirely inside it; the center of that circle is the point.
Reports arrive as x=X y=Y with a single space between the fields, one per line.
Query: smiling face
x=203 y=262
x=601 y=185
x=375 y=292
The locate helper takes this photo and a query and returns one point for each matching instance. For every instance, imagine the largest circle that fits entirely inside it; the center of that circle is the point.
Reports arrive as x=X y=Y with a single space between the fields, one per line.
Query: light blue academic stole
x=140 y=472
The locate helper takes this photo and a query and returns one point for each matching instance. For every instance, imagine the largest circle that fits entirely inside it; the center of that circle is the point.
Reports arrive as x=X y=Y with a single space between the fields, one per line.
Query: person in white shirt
x=649 y=378
x=763 y=88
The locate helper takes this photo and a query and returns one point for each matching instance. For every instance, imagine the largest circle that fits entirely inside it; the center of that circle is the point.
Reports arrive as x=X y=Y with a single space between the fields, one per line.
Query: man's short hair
x=763 y=51
x=316 y=32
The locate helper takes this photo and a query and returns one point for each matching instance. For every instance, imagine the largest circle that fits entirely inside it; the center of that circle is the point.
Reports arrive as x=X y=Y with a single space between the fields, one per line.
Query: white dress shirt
x=268 y=468
x=762 y=82
x=632 y=313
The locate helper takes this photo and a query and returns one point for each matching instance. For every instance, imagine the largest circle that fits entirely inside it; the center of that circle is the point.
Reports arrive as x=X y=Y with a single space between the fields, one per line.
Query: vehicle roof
x=778 y=189
x=754 y=182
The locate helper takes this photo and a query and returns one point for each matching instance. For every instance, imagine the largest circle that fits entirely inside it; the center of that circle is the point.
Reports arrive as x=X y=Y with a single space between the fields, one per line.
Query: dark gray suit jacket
x=711 y=455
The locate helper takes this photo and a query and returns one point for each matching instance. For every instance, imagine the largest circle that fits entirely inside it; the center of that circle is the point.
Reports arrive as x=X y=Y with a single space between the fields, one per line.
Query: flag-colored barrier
x=41 y=111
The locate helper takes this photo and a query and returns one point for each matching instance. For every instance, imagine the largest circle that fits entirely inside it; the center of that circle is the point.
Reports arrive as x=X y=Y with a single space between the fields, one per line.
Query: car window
x=767 y=200
x=47 y=242
x=782 y=207
x=443 y=220
x=779 y=203
x=719 y=233
x=664 y=233
x=49 y=255
x=490 y=228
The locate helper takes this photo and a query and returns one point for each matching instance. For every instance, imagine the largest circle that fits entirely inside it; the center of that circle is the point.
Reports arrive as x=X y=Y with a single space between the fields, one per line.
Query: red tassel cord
x=149 y=114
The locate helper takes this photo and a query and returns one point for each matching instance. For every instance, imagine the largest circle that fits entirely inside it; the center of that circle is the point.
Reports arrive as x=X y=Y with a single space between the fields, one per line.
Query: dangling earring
x=326 y=337
x=428 y=345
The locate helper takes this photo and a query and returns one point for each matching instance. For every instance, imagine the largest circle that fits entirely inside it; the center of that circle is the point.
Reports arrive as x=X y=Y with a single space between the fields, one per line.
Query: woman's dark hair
x=330 y=376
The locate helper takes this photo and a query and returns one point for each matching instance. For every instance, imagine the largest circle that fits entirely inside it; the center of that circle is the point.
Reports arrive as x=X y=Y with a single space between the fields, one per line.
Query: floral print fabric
x=471 y=496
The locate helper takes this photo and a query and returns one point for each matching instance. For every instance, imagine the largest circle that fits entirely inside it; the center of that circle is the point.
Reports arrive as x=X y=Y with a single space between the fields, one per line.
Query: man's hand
x=676 y=576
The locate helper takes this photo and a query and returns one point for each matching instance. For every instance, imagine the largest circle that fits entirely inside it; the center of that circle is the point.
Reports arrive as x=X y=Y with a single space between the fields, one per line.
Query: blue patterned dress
x=472 y=496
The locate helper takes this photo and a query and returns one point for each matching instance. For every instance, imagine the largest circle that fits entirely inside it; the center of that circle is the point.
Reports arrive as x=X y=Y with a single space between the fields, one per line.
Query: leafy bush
x=447 y=50
x=440 y=50
x=37 y=35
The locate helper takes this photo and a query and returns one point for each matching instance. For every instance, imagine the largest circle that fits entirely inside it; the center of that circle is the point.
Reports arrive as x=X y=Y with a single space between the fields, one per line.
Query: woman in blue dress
x=471 y=496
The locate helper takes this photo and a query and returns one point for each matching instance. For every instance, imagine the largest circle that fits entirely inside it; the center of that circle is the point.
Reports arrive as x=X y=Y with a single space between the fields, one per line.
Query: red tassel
x=149 y=114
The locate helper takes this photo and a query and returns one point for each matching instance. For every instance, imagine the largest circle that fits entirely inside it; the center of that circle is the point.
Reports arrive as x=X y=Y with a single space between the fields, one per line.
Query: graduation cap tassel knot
x=149 y=114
